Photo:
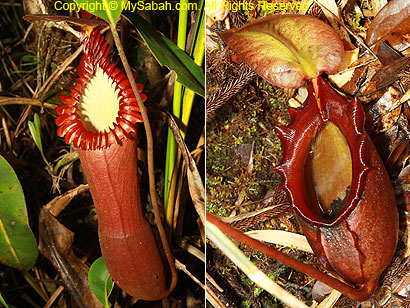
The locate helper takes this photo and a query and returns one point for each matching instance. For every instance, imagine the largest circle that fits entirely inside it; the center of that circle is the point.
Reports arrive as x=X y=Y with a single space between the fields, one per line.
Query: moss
x=246 y=281
x=244 y=304
x=355 y=21
x=245 y=127
x=258 y=291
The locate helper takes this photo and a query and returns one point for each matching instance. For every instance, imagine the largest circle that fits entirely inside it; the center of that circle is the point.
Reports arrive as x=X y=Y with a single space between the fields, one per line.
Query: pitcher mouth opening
x=101 y=109
x=99 y=104
x=328 y=172
x=324 y=166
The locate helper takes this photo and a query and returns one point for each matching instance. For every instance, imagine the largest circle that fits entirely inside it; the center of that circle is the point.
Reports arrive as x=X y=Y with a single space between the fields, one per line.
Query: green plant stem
x=8 y=115
x=176 y=111
x=34 y=285
x=182 y=25
x=150 y=160
x=171 y=157
x=171 y=146
x=3 y=302
x=198 y=53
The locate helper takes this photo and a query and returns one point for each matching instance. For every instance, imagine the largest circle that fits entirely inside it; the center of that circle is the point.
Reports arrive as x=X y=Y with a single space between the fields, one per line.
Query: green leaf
x=29 y=59
x=287 y=49
x=109 y=10
x=100 y=281
x=167 y=53
x=35 y=130
x=18 y=247
x=3 y=302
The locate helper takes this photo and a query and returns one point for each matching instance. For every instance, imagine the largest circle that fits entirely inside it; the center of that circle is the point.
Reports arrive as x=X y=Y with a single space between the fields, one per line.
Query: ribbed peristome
x=71 y=119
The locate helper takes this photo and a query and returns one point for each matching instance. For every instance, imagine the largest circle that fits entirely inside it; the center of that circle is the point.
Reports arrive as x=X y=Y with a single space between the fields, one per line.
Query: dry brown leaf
x=346 y=73
x=390 y=73
x=376 y=6
x=56 y=243
x=398 y=154
x=58 y=204
x=330 y=300
x=386 y=54
x=333 y=14
x=215 y=10
x=380 y=115
x=387 y=20
x=399 y=39
x=59 y=18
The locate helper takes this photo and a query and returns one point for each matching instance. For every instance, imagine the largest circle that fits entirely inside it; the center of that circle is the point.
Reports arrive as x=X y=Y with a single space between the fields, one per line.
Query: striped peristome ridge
x=72 y=122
